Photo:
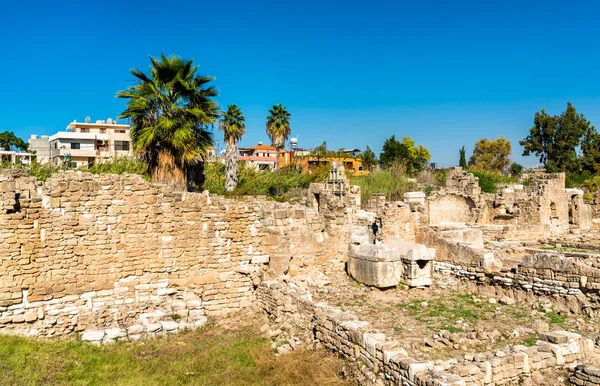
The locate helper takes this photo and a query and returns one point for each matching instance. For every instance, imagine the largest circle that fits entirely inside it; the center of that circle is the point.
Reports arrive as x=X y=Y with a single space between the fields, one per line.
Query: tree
x=233 y=125
x=394 y=151
x=9 y=141
x=320 y=151
x=491 y=155
x=368 y=159
x=590 y=146
x=278 y=129
x=554 y=139
x=516 y=169
x=463 y=158
x=170 y=110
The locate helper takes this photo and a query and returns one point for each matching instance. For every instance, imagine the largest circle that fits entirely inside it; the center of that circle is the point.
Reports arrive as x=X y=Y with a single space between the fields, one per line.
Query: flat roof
x=74 y=135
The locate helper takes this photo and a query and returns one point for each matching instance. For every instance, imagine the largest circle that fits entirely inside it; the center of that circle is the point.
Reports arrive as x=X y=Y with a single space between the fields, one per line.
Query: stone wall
x=539 y=206
x=451 y=208
x=106 y=253
x=380 y=360
x=585 y=376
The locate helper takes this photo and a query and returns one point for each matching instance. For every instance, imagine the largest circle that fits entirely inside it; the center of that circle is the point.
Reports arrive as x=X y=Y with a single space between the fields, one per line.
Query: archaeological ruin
x=455 y=288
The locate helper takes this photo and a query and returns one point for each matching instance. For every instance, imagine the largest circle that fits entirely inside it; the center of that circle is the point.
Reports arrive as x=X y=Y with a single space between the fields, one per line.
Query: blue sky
x=445 y=73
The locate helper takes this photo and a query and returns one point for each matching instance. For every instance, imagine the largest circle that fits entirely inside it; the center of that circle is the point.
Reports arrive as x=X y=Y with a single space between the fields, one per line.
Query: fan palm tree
x=170 y=110
x=232 y=123
x=278 y=129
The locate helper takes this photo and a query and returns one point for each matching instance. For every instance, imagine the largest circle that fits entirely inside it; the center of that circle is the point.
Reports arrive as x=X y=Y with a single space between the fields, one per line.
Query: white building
x=85 y=143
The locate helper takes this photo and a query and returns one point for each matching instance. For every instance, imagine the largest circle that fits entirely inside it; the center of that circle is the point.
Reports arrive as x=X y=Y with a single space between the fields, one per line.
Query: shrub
x=489 y=180
x=516 y=169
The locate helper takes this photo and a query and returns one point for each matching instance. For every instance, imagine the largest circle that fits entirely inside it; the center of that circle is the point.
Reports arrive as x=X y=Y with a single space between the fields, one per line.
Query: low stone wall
x=508 y=366
x=585 y=376
x=571 y=277
x=381 y=360
x=378 y=359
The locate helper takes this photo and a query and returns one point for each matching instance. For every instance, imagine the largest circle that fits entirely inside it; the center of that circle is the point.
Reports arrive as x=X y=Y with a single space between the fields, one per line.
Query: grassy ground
x=207 y=357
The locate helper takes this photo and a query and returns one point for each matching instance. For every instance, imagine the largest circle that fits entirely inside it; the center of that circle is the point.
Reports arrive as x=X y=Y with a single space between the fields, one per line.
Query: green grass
x=529 y=342
x=442 y=313
x=196 y=358
x=556 y=319
x=383 y=182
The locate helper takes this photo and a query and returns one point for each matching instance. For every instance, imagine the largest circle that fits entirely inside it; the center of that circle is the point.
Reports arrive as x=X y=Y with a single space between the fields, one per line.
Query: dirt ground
x=450 y=318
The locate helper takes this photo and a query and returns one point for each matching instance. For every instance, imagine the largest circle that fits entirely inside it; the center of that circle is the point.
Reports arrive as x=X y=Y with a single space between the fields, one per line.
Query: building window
x=120 y=131
x=85 y=130
x=122 y=145
x=75 y=146
x=103 y=131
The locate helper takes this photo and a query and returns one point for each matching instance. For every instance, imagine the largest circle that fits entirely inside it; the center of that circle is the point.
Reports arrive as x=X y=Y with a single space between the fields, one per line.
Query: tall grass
x=383 y=182
x=258 y=182
x=119 y=166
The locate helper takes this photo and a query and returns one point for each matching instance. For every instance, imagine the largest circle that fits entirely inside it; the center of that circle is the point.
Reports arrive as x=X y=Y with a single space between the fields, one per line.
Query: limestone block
x=115 y=333
x=92 y=336
x=414 y=198
x=379 y=274
x=169 y=325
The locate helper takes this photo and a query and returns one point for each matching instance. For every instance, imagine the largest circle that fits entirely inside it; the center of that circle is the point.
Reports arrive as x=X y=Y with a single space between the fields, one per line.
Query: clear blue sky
x=445 y=73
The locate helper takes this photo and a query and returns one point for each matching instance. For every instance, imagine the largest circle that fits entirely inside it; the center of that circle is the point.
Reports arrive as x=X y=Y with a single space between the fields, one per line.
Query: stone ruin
x=114 y=258
x=385 y=265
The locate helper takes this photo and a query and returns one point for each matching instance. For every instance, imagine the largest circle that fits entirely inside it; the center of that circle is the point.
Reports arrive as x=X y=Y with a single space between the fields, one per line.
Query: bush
x=383 y=182
x=259 y=182
x=516 y=169
x=489 y=180
x=574 y=179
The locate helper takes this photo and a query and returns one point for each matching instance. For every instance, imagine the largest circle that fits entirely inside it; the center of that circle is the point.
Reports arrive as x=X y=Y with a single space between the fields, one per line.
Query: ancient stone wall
x=380 y=360
x=451 y=208
x=106 y=253
x=539 y=206
x=585 y=375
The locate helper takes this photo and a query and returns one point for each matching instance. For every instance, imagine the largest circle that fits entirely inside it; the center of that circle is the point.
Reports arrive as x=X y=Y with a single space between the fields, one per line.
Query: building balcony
x=81 y=136
x=78 y=152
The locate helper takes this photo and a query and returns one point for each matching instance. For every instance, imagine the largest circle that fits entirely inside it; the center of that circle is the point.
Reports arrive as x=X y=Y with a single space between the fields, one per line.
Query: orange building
x=263 y=157
x=307 y=162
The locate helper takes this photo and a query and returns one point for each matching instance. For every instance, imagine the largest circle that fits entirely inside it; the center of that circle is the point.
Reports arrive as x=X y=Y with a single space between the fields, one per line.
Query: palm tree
x=278 y=129
x=170 y=111
x=233 y=126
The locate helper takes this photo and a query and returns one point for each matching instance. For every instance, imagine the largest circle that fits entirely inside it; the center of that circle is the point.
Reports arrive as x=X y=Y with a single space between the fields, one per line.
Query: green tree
x=278 y=129
x=415 y=158
x=9 y=141
x=516 y=169
x=368 y=159
x=320 y=151
x=170 y=110
x=555 y=139
x=590 y=146
x=233 y=125
x=491 y=155
x=463 y=158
